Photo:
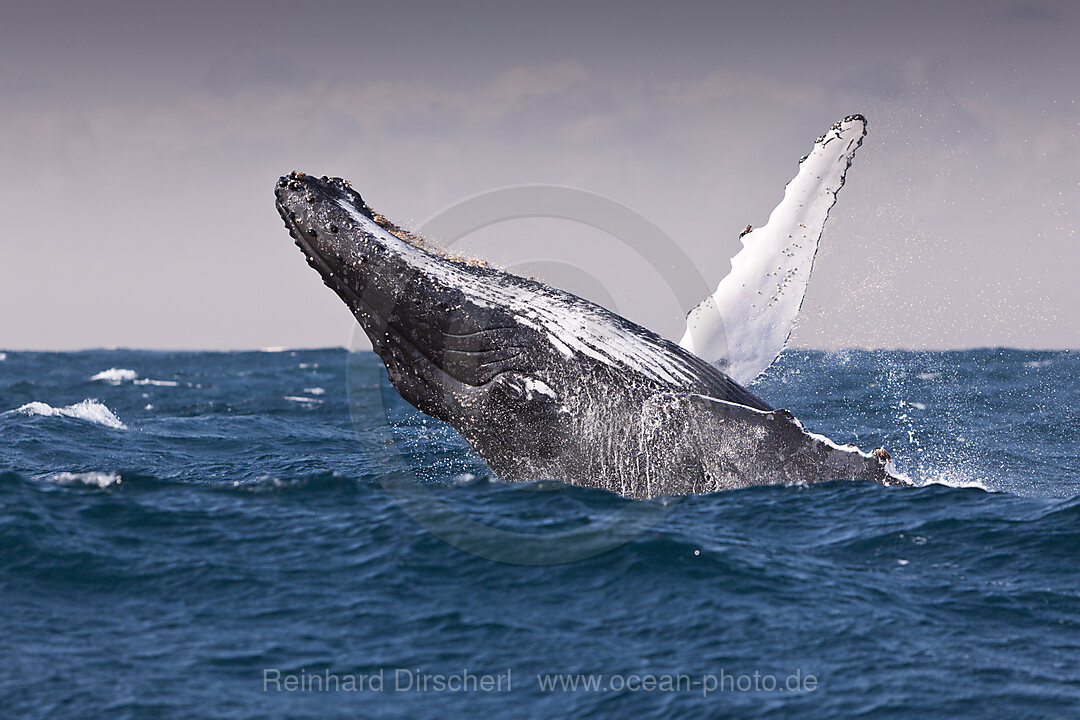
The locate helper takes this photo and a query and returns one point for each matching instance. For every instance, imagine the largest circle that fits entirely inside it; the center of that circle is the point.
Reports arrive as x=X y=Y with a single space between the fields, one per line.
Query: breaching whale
x=545 y=384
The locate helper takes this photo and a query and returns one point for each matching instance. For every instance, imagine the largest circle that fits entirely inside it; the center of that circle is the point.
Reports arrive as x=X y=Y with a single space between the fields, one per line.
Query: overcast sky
x=141 y=142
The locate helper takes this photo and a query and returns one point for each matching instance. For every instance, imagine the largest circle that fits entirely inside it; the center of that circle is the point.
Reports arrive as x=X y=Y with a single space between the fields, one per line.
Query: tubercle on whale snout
x=323 y=186
x=341 y=189
x=401 y=309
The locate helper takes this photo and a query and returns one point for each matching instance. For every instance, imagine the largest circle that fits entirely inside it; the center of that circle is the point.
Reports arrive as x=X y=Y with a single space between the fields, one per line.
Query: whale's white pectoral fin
x=742 y=327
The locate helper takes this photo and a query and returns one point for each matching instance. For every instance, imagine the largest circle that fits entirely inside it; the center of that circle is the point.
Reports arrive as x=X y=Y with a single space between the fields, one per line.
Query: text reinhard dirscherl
x=465 y=680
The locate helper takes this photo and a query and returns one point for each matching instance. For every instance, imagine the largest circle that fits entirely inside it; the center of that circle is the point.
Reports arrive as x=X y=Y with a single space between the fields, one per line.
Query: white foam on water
x=314 y=391
x=158 y=383
x=89 y=410
x=304 y=400
x=260 y=483
x=742 y=327
x=3 y=357
x=100 y=480
x=952 y=478
x=114 y=376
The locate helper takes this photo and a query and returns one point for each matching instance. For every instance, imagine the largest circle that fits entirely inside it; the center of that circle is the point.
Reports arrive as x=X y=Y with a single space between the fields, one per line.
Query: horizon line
x=281 y=349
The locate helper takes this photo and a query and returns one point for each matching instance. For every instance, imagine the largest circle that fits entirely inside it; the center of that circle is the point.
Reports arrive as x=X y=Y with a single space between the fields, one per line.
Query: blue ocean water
x=184 y=534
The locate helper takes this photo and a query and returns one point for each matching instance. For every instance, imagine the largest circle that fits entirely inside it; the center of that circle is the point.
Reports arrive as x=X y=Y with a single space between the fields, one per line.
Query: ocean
x=276 y=534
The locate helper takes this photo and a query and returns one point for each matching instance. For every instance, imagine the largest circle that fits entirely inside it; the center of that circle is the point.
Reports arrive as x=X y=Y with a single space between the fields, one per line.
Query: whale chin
x=542 y=383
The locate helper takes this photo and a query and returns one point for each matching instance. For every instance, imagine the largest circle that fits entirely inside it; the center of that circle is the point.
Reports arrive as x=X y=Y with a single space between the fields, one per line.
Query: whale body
x=545 y=384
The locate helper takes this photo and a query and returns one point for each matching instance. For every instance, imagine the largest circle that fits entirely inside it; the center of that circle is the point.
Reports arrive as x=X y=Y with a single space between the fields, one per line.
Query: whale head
x=442 y=346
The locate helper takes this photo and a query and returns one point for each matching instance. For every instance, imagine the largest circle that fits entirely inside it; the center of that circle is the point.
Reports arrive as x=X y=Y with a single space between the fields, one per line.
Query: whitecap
x=159 y=383
x=1029 y=363
x=953 y=478
x=88 y=410
x=304 y=400
x=928 y=375
x=115 y=376
x=315 y=391
x=91 y=479
x=3 y=357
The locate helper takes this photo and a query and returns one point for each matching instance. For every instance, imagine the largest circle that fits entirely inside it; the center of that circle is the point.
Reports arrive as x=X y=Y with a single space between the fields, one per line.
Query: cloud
x=1029 y=12
x=250 y=102
x=724 y=86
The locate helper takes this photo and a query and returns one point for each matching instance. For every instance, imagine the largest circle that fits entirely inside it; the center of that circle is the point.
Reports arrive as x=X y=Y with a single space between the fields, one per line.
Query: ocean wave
x=91 y=479
x=315 y=482
x=3 y=356
x=89 y=410
x=315 y=391
x=226 y=503
x=114 y=376
x=952 y=478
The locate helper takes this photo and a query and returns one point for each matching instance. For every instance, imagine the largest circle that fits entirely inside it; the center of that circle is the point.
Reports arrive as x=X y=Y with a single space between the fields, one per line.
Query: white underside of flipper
x=742 y=327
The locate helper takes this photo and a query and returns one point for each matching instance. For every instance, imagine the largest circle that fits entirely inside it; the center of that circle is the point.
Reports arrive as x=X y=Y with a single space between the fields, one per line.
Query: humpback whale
x=545 y=384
